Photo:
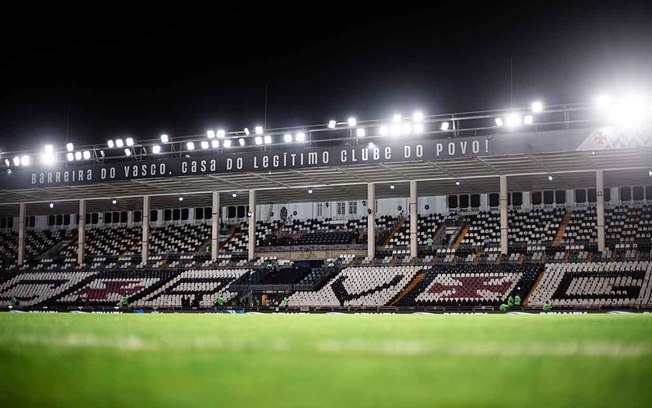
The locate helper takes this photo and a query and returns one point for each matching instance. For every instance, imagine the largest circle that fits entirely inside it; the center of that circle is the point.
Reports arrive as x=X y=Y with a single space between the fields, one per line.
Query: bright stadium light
x=234 y=195
x=241 y=141
x=70 y=147
x=48 y=148
x=210 y=134
x=221 y=133
x=444 y=126
x=300 y=137
x=457 y=182
x=391 y=187
x=528 y=119
x=418 y=128
x=332 y=124
x=268 y=139
x=181 y=198
x=164 y=138
x=406 y=129
x=258 y=140
x=7 y=162
x=603 y=101
x=499 y=122
x=114 y=201
x=258 y=130
x=127 y=152
x=537 y=107
x=70 y=156
x=397 y=118
x=110 y=143
x=119 y=143
x=395 y=129
x=48 y=157
x=215 y=144
x=550 y=178
x=352 y=121
x=417 y=116
x=204 y=144
x=371 y=145
x=86 y=155
x=629 y=112
x=51 y=205
x=156 y=149
x=130 y=141
x=227 y=143
x=78 y=156
x=310 y=191
x=384 y=130
x=513 y=120
x=360 y=132
x=247 y=132
x=190 y=146
x=16 y=161
x=287 y=138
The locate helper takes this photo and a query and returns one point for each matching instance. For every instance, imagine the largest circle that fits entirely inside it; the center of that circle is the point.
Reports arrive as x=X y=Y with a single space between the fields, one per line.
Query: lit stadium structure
x=530 y=184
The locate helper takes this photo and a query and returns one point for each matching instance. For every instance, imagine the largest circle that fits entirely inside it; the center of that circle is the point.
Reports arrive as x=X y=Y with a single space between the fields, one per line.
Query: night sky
x=100 y=73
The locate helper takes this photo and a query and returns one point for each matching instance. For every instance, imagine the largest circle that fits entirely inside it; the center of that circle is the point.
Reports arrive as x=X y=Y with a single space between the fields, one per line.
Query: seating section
x=629 y=225
x=205 y=285
x=32 y=288
x=536 y=226
x=36 y=242
x=582 y=227
x=184 y=239
x=359 y=286
x=108 y=241
x=484 y=231
x=600 y=284
x=472 y=285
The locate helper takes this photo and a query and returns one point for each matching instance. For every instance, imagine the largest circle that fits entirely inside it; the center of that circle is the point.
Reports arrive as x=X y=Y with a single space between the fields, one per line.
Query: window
x=607 y=195
x=176 y=214
x=199 y=213
x=638 y=193
x=230 y=211
x=452 y=201
x=208 y=213
x=138 y=216
x=59 y=219
x=625 y=194
x=51 y=220
x=580 y=195
x=123 y=217
x=108 y=218
x=536 y=198
x=167 y=216
x=185 y=214
x=648 y=192
x=3 y=222
x=494 y=200
x=32 y=221
x=320 y=209
x=592 y=195
x=242 y=211
x=10 y=222
x=341 y=208
x=548 y=197
x=353 y=207
x=464 y=201
x=517 y=198
x=475 y=200
x=66 y=219
x=560 y=196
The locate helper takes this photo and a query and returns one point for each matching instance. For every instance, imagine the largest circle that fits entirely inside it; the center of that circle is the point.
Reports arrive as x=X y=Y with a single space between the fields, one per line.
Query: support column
x=371 y=220
x=413 y=219
x=251 y=245
x=599 y=189
x=81 y=233
x=145 y=239
x=215 y=222
x=504 y=226
x=21 y=233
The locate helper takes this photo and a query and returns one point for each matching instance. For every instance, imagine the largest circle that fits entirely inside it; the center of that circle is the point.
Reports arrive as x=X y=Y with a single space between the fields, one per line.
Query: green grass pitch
x=205 y=360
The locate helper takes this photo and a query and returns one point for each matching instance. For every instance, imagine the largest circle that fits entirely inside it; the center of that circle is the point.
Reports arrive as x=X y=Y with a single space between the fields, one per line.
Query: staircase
x=419 y=276
x=394 y=231
x=534 y=288
x=460 y=236
x=56 y=248
x=562 y=229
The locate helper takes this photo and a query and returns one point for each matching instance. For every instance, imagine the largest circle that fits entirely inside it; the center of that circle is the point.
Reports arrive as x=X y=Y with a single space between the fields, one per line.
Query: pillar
x=599 y=189
x=21 y=233
x=504 y=225
x=81 y=233
x=215 y=222
x=413 y=219
x=371 y=220
x=251 y=245
x=145 y=239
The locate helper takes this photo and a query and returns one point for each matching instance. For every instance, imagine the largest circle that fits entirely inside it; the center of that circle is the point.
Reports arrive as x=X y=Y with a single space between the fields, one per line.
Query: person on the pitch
x=125 y=301
x=547 y=306
x=517 y=300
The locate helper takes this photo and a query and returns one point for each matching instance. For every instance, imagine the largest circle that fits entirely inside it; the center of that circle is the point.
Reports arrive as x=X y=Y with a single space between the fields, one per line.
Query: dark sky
x=118 y=71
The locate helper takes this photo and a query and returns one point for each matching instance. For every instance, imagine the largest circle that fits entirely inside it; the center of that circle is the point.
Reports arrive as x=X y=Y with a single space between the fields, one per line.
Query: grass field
x=325 y=360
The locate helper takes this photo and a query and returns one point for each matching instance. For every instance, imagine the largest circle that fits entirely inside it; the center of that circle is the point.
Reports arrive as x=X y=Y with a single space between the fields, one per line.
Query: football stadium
x=494 y=256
